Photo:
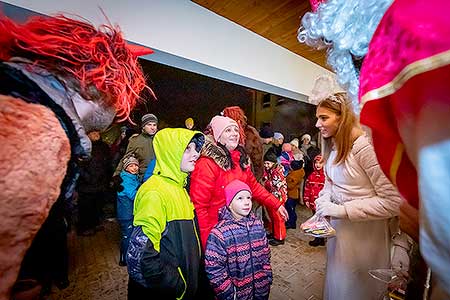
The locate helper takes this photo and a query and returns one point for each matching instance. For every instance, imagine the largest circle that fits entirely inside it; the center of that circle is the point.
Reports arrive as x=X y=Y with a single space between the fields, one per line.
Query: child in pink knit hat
x=238 y=236
x=286 y=157
x=242 y=196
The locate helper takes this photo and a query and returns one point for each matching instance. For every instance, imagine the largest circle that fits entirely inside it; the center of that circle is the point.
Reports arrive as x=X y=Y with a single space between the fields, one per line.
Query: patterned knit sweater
x=275 y=182
x=238 y=258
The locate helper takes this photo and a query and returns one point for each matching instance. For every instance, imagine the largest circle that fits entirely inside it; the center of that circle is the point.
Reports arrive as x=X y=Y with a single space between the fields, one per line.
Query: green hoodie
x=163 y=209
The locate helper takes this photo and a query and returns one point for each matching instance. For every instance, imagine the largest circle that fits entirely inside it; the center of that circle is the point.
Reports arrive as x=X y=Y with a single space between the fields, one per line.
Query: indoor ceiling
x=276 y=20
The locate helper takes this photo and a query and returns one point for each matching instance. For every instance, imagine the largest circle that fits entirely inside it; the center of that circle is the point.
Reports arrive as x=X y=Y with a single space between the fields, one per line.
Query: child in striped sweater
x=237 y=251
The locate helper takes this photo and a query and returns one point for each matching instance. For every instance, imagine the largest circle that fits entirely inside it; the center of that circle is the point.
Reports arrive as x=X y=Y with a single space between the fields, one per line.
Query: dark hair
x=270 y=156
x=199 y=140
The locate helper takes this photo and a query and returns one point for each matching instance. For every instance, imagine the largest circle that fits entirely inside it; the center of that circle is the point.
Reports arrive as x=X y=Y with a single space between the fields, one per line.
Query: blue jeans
x=126 y=228
x=290 y=207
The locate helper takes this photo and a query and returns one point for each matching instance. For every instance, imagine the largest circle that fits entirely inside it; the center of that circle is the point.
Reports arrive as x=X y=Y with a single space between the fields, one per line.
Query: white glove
x=400 y=257
x=327 y=208
x=400 y=265
x=324 y=198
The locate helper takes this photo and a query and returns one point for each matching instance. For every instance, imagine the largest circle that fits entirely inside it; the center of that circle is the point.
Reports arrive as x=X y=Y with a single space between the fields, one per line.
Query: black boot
x=317 y=242
x=275 y=242
x=269 y=235
x=122 y=259
x=291 y=226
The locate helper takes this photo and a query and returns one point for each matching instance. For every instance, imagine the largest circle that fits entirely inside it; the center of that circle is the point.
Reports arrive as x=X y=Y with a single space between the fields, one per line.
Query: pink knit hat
x=286 y=147
x=219 y=124
x=233 y=188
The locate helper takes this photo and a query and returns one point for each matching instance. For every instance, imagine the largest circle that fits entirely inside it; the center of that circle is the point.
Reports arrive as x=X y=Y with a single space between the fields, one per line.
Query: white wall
x=185 y=31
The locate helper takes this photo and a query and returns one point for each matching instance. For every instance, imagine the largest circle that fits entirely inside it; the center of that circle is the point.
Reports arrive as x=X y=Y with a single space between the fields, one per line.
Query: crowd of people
x=191 y=220
x=184 y=203
x=175 y=247
x=198 y=210
x=220 y=185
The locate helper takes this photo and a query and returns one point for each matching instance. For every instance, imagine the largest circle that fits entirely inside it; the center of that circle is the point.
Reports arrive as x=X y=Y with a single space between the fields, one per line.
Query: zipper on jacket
x=251 y=259
x=184 y=281
x=198 y=240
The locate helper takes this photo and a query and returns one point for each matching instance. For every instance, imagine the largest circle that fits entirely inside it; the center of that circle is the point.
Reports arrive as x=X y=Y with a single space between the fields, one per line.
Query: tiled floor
x=298 y=268
x=95 y=274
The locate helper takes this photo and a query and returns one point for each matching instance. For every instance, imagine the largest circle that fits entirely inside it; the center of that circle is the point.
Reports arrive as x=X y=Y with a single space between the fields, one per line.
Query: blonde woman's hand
x=329 y=209
x=324 y=198
x=283 y=213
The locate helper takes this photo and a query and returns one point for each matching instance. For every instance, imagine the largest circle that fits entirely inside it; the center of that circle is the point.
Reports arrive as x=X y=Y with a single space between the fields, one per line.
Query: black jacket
x=96 y=172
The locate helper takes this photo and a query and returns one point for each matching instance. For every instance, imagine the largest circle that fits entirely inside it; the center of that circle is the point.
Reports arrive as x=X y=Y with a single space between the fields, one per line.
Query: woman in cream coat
x=360 y=201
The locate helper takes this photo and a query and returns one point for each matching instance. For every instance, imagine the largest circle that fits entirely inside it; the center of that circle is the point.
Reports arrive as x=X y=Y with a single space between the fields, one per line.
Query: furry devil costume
x=59 y=78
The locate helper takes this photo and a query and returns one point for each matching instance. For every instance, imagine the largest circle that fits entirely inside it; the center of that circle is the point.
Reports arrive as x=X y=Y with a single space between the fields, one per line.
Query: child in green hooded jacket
x=164 y=252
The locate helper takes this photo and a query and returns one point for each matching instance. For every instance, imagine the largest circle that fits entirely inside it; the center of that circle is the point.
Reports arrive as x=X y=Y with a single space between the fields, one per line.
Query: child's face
x=268 y=165
x=241 y=205
x=133 y=169
x=278 y=141
x=190 y=156
x=94 y=136
x=318 y=164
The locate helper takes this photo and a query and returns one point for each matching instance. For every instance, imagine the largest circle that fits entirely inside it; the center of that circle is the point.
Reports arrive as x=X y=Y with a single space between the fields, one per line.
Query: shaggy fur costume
x=67 y=77
x=33 y=161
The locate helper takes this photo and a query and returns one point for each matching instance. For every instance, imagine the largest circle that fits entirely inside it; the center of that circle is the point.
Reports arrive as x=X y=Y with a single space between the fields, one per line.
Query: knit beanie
x=199 y=140
x=148 y=118
x=266 y=132
x=233 y=188
x=297 y=164
x=219 y=124
x=270 y=156
x=278 y=136
x=294 y=142
x=318 y=158
x=128 y=161
x=306 y=136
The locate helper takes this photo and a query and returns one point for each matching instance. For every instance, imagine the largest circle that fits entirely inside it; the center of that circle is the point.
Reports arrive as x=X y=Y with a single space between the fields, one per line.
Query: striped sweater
x=238 y=258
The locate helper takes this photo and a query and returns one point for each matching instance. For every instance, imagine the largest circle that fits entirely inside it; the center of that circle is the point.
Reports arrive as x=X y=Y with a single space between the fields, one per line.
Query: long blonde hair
x=340 y=104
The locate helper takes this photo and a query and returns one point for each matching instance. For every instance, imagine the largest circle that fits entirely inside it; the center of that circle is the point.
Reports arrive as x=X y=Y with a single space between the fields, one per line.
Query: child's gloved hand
x=329 y=209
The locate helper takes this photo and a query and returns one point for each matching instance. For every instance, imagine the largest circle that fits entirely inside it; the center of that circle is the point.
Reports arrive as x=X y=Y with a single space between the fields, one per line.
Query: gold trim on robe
x=418 y=67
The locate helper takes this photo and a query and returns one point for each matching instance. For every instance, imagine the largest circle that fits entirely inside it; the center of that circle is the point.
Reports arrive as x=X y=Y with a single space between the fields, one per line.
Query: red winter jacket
x=275 y=182
x=212 y=173
x=314 y=184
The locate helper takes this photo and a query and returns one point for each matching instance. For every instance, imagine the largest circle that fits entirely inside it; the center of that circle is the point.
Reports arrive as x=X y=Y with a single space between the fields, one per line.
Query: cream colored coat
x=362 y=240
